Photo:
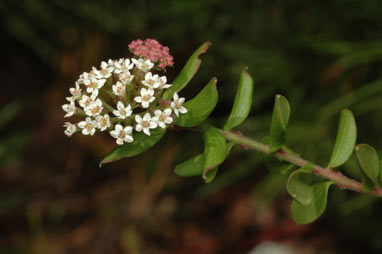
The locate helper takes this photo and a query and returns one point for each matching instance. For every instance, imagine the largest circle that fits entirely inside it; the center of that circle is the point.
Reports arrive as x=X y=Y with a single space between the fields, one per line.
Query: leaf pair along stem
x=336 y=177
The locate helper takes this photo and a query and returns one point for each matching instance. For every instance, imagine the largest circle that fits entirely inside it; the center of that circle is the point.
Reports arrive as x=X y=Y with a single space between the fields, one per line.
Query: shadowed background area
x=322 y=55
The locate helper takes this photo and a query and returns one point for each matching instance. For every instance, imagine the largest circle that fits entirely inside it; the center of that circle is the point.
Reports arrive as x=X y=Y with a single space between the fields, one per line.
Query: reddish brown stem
x=338 y=178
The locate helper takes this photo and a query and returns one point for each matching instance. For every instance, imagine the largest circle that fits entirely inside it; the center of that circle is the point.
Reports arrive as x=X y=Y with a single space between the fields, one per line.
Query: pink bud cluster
x=154 y=51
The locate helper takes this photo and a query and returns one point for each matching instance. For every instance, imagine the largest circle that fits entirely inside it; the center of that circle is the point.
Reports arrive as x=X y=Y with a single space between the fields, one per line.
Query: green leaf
x=187 y=72
x=280 y=118
x=367 y=184
x=243 y=101
x=229 y=147
x=298 y=187
x=345 y=140
x=141 y=143
x=304 y=214
x=214 y=150
x=200 y=107
x=275 y=165
x=210 y=175
x=191 y=167
x=195 y=166
x=369 y=162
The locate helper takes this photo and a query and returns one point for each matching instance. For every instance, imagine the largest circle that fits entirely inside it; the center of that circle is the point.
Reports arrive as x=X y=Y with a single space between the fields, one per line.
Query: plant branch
x=338 y=178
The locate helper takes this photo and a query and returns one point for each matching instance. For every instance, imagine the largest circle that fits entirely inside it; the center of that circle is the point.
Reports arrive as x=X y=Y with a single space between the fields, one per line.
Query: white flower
x=126 y=77
x=122 y=111
x=70 y=109
x=103 y=122
x=88 y=126
x=145 y=124
x=93 y=84
x=146 y=97
x=85 y=78
x=76 y=92
x=116 y=64
x=142 y=64
x=95 y=108
x=119 y=89
x=86 y=101
x=162 y=118
x=122 y=134
x=162 y=83
x=177 y=105
x=124 y=66
x=70 y=129
x=105 y=71
x=151 y=81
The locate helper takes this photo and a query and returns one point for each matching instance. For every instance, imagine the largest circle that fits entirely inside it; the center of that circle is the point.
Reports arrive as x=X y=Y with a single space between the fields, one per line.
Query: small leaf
x=274 y=164
x=229 y=147
x=367 y=183
x=298 y=187
x=243 y=101
x=141 y=143
x=214 y=149
x=369 y=162
x=304 y=214
x=200 y=107
x=345 y=140
x=280 y=118
x=191 y=167
x=187 y=72
x=210 y=175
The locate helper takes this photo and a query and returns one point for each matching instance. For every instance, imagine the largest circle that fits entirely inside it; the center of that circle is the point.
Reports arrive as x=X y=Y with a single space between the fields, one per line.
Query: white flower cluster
x=130 y=86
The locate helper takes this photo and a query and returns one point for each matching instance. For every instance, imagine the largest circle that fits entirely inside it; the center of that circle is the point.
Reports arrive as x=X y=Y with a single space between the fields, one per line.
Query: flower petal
x=129 y=139
x=153 y=125
x=138 y=127
x=147 y=117
x=138 y=118
x=146 y=131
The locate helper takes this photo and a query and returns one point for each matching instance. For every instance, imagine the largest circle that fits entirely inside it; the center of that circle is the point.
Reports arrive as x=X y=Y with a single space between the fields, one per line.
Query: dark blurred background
x=322 y=55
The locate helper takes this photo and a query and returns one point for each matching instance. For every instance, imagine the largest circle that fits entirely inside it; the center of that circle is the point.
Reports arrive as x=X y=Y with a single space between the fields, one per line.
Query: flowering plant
x=124 y=95
x=135 y=104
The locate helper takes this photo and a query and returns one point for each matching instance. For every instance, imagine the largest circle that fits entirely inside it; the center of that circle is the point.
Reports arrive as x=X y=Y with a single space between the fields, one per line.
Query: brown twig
x=338 y=178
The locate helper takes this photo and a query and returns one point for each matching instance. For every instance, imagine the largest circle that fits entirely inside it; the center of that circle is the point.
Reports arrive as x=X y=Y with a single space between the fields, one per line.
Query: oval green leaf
x=200 y=107
x=141 y=143
x=191 y=167
x=214 y=150
x=304 y=214
x=368 y=161
x=298 y=187
x=280 y=119
x=188 y=71
x=242 y=103
x=345 y=140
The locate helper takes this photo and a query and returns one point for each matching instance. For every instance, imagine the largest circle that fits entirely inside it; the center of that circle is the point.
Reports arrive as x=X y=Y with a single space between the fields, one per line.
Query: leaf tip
x=205 y=47
x=214 y=80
